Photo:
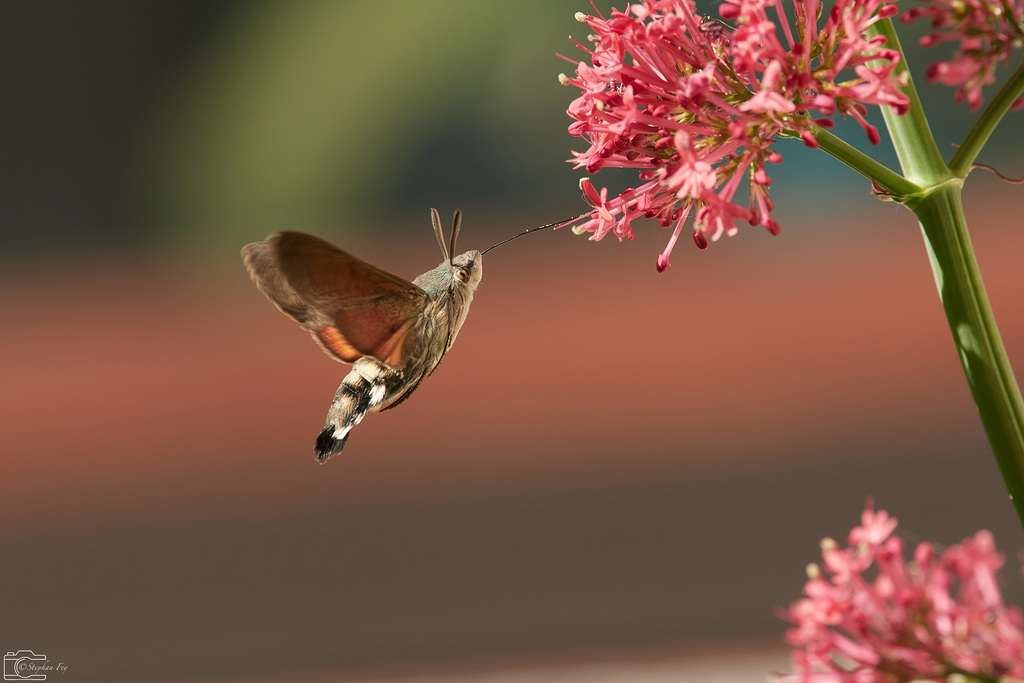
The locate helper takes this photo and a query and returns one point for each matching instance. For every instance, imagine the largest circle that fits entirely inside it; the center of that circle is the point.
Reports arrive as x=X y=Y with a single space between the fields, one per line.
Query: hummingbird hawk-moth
x=393 y=332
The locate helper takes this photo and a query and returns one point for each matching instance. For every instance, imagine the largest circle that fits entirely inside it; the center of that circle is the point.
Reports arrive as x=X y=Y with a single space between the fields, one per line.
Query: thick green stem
x=939 y=209
x=975 y=334
x=919 y=156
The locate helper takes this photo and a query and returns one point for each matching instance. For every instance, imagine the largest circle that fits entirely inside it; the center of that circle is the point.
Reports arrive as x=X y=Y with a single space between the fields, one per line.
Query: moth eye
x=462 y=274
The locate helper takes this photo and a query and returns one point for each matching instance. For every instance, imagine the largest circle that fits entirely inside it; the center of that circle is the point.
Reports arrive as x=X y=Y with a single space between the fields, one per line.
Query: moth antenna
x=436 y=221
x=556 y=224
x=456 y=226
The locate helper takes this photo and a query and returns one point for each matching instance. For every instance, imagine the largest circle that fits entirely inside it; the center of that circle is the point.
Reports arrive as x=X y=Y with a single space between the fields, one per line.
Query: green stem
x=911 y=135
x=975 y=333
x=964 y=158
x=939 y=208
x=882 y=176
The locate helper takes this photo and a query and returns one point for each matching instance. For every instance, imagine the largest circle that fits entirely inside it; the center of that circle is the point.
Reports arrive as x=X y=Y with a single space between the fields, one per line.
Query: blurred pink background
x=610 y=459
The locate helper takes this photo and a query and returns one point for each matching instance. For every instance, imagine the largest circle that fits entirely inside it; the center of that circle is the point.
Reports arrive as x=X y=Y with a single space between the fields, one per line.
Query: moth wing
x=351 y=308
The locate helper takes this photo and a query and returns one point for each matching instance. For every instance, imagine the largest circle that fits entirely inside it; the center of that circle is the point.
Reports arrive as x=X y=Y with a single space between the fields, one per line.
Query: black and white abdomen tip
x=327 y=445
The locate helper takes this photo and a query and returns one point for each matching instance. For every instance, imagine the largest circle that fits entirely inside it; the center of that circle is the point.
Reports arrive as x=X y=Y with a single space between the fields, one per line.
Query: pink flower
x=874 y=527
x=878 y=617
x=988 y=30
x=695 y=105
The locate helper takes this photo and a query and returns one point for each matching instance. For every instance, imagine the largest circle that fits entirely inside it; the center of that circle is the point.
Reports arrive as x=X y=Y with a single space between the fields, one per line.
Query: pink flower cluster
x=988 y=30
x=869 y=616
x=696 y=104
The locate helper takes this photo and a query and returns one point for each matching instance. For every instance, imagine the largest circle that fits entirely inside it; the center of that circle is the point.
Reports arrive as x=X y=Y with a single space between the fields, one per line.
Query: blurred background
x=617 y=475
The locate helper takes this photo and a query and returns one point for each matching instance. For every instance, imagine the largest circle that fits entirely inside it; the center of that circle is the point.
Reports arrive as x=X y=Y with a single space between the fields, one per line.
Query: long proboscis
x=556 y=224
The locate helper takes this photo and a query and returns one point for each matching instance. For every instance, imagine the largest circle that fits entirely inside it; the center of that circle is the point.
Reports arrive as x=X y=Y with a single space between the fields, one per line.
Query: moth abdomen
x=364 y=389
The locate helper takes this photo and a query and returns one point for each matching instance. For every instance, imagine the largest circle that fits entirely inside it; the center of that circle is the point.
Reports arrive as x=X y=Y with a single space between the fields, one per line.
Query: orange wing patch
x=335 y=343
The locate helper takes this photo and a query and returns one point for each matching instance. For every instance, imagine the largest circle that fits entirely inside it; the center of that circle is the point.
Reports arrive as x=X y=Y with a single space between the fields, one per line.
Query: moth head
x=468 y=268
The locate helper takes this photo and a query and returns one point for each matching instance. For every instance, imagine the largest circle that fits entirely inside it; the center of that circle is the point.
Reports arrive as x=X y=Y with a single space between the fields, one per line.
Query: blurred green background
x=200 y=124
x=205 y=123
x=617 y=475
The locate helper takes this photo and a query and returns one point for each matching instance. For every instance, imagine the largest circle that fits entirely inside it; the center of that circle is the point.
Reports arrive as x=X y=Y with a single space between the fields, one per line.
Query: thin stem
x=963 y=160
x=975 y=333
x=882 y=176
